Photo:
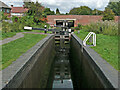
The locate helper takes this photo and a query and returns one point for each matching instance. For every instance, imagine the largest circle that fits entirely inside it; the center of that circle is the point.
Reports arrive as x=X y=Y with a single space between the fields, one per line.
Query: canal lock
x=60 y=74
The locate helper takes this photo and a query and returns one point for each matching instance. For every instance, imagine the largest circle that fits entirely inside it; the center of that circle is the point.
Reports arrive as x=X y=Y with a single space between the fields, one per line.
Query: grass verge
x=13 y=50
x=7 y=35
x=11 y=34
x=107 y=47
x=38 y=31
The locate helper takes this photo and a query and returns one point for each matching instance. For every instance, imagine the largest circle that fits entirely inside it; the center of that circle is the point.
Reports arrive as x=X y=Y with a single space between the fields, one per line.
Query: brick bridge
x=82 y=19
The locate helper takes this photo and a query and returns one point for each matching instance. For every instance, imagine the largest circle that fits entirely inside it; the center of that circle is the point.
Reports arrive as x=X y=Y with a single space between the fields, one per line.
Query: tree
x=67 y=13
x=115 y=6
x=47 y=11
x=3 y=16
x=36 y=10
x=108 y=14
x=97 y=12
x=27 y=3
x=74 y=11
x=57 y=12
x=82 y=10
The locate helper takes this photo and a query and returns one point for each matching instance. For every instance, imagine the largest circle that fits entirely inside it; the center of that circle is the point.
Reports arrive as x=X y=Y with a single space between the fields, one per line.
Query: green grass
x=107 y=47
x=13 y=50
x=11 y=34
x=36 y=31
x=7 y=35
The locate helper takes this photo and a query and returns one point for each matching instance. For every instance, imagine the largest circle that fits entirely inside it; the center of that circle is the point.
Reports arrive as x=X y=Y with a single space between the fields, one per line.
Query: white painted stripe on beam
x=28 y=28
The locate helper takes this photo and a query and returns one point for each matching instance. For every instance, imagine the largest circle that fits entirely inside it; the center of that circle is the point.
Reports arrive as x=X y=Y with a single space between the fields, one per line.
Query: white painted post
x=63 y=26
x=66 y=23
x=69 y=30
x=45 y=29
x=94 y=39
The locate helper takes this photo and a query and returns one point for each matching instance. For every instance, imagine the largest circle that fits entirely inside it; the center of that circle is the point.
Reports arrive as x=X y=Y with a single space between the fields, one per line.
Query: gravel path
x=17 y=36
x=7 y=40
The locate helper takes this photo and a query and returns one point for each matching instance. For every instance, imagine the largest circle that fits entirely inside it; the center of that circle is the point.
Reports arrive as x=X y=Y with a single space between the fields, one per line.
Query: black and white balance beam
x=42 y=29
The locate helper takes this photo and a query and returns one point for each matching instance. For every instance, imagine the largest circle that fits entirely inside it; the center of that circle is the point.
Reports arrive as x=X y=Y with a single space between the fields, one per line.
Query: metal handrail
x=88 y=36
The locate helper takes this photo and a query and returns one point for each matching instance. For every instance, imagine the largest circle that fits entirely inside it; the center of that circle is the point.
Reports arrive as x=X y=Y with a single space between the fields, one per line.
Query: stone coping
x=99 y=65
x=9 y=73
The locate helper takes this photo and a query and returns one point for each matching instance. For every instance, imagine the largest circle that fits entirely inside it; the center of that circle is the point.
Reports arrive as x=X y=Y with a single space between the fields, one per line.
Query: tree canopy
x=97 y=12
x=108 y=14
x=82 y=10
x=36 y=10
x=47 y=11
x=57 y=12
x=115 y=6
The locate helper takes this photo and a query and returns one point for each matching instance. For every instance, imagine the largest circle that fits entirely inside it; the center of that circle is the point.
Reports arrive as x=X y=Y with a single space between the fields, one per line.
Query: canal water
x=60 y=75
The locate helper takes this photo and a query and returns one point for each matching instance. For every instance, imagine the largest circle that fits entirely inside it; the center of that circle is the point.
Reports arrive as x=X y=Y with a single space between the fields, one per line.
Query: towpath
x=7 y=40
x=17 y=36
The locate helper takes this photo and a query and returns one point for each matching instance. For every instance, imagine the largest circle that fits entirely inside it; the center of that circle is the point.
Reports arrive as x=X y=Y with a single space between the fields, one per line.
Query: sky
x=64 y=5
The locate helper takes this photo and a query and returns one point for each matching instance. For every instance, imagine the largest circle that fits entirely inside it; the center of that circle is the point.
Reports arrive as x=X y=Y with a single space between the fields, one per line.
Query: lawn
x=39 y=31
x=13 y=50
x=7 y=35
x=11 y=34
x=107 y=47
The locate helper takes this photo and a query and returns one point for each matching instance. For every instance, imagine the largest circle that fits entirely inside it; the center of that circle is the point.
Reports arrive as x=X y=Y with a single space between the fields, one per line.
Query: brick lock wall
x=82 y=19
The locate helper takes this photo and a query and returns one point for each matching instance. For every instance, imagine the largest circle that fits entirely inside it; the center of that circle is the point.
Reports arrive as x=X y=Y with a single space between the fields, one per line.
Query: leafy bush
x=78 y=27
x=19 y=23
x=35 y=17
x=15 y=18
x=5 y=17
x=5 y=27
x=72 y=27
x=103 y=27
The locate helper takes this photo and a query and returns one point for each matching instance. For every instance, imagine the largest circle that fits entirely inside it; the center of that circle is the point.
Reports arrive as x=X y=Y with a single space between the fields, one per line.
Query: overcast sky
x=64 y=5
